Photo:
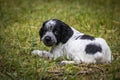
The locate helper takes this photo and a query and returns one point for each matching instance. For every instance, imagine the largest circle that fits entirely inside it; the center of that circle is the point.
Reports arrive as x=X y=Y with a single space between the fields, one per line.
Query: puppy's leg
x=75 y=61
x=42 y=53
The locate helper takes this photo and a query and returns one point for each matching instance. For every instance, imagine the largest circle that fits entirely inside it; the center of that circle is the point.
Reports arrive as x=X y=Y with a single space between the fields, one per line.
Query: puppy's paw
x=67 y=62
x=37 y=52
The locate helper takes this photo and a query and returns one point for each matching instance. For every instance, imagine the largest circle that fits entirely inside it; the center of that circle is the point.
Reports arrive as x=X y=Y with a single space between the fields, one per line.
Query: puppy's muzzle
x=48 y=41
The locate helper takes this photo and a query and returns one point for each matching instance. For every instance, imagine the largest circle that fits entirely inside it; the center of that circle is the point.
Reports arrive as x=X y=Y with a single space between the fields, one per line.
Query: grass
x=20 y=21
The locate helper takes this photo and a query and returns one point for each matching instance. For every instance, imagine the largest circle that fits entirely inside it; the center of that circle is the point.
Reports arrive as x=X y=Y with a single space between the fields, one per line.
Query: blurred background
x=20 y=21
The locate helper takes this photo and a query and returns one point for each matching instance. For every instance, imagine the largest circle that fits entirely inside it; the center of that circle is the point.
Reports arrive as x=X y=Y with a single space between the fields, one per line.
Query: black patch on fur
x=87 y=37
x=93 y=48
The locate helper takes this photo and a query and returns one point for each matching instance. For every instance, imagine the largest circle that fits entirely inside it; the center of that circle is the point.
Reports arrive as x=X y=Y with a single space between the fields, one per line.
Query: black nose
x=47 y=38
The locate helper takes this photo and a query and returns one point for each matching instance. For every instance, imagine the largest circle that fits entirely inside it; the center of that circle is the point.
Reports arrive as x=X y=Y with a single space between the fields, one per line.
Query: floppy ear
x=66 y=32
x=41 y=32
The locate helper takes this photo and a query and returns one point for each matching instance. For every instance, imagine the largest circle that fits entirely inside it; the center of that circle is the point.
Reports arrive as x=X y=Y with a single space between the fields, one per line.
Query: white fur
x=75 y=50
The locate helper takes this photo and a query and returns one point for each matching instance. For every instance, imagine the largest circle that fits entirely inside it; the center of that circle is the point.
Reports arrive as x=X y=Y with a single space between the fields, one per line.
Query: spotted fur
x=76 y=46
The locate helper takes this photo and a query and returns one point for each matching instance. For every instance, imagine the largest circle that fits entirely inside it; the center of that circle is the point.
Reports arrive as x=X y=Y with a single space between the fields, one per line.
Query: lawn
x=20 y=21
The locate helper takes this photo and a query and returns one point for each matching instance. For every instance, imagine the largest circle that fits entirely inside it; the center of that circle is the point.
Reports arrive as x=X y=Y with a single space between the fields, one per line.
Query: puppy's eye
x=55 y=32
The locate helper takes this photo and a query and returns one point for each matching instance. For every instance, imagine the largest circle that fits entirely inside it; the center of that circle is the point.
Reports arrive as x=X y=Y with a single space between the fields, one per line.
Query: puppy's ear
x=66 y=33
x=41 y=32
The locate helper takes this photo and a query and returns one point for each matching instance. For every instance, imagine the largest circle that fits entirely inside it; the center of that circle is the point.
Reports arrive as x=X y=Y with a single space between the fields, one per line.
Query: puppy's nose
x=47 y=38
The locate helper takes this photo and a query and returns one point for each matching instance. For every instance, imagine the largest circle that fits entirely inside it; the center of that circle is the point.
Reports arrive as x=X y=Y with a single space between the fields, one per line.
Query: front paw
x=37 y=52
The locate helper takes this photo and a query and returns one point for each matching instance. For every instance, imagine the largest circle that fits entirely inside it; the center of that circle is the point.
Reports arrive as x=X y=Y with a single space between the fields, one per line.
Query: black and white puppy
x=76 y=46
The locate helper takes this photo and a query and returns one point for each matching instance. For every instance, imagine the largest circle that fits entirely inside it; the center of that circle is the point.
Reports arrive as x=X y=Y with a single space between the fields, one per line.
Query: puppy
x=72 y=44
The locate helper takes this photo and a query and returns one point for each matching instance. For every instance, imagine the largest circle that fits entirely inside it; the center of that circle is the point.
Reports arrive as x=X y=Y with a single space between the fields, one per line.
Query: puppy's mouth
x=49 y=43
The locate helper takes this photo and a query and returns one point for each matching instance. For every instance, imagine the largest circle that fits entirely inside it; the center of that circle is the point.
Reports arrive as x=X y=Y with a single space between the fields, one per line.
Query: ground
x=20 y=21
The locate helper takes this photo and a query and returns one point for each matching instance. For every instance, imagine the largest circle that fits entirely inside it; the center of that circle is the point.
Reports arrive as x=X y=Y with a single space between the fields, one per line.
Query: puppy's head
x=55 y=31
